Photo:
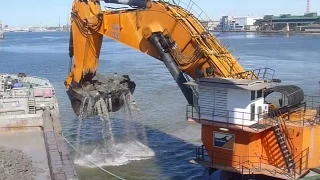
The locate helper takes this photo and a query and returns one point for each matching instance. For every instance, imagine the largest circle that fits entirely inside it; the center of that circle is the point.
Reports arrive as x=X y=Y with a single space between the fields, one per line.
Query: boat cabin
x=232 y=101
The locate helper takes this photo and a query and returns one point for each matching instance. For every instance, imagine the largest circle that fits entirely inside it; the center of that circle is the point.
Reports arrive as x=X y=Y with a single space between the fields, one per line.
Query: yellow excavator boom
x=160 y=29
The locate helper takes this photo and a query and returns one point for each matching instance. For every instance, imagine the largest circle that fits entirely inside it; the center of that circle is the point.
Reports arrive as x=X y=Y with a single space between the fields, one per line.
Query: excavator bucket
x=101 y=95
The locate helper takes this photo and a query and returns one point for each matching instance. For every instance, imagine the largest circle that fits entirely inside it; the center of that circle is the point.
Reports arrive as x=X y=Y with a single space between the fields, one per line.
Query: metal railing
x=270 y=119
x=251 y=163
x=304 y=119
x=228 y=117
x=313 y=102
x=301 y=160
x=220 y=159
x=193 y=9
x=265 y=74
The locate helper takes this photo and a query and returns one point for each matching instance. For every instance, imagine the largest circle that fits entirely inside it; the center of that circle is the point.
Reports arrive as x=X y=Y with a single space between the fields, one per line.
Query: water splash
x=120 y=154
x=119 y=146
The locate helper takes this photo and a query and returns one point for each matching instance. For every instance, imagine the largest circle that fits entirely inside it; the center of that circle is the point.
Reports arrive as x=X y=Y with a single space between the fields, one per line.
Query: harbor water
x=165 y=142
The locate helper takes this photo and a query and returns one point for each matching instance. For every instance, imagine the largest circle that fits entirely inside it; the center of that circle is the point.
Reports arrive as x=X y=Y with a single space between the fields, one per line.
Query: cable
x=104 y=170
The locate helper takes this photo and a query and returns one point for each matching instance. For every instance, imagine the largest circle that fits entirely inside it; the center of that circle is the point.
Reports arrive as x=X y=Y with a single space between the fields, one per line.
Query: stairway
x=32 y=106
x=284 y=148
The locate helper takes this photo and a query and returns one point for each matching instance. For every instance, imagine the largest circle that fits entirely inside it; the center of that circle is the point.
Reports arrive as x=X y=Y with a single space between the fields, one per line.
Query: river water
x=170 y=140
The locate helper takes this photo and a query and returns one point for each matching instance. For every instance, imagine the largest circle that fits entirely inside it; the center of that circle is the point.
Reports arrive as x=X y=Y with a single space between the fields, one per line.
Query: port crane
x=242 y=133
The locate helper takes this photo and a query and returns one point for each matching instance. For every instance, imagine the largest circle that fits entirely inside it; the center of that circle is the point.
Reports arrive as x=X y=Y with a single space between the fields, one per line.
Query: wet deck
x=31 y=143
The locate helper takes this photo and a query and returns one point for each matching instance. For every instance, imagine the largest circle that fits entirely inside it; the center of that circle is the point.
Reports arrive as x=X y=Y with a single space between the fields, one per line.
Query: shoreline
x=269 y=32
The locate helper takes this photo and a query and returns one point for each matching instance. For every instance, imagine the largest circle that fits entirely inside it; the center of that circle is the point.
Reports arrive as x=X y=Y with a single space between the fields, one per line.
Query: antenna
x=308 y=6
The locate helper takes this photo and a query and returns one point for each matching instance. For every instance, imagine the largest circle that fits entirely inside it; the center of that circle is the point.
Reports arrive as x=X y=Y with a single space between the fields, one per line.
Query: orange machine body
x=277 y=141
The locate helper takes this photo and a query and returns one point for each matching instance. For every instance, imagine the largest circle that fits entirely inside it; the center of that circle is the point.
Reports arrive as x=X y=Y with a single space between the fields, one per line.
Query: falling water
x=103 y=112
x=115 y=152
x=130 y=104
x=130 y=132
x=81 y=115
x=82 y=106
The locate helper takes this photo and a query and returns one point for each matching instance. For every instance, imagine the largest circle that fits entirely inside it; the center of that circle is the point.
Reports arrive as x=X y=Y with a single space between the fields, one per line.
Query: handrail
x=245 y=162
x=201 y=156
x=289 y=142
x=229 y=117
x=242 y=118
x=258 y=74
x=301 y=156
x=193 y=9
x=313 y=101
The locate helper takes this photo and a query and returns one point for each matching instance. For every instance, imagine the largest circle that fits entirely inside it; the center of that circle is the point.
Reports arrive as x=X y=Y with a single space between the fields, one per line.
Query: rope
x=102 y=169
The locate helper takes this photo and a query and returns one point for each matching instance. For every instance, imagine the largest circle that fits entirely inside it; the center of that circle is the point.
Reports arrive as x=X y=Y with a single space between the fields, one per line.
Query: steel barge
x=30 y=123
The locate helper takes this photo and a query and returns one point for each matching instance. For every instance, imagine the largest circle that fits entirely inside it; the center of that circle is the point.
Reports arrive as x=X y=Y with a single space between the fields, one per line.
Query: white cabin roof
x=245 y=84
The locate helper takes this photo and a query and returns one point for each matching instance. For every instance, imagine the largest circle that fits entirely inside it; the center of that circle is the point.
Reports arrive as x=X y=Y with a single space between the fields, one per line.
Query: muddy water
x=171 y=140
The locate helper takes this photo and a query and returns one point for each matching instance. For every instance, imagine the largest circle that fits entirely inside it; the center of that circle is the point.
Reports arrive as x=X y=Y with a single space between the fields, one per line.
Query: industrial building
x=286 y=22
x=230 y=23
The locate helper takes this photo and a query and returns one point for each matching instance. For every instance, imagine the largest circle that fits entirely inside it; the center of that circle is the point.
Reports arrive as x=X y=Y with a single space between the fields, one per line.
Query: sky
x=27 y=13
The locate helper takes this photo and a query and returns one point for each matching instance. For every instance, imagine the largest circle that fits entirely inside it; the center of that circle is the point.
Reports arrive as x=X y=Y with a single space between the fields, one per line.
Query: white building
x=232 y=101
x=246 y=21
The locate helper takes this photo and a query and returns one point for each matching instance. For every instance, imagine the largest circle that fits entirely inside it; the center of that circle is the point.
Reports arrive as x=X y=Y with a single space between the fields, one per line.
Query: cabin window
x=253 y=95
x=259 y=93
x=223 y=140
x=253 y=112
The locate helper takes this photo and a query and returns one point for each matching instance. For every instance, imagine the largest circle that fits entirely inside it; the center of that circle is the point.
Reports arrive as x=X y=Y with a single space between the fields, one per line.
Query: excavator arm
x=160 y=29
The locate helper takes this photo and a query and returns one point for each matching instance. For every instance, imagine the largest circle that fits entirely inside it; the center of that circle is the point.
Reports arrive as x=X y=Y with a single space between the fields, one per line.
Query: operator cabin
x=232 y=101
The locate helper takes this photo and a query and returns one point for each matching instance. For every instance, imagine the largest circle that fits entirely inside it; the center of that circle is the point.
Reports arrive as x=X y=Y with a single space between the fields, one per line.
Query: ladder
x=284 y=148
x=32 y=106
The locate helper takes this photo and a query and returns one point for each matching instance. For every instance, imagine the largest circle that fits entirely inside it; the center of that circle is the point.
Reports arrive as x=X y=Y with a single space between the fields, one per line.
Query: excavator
x=164 y=31
x=174 y=34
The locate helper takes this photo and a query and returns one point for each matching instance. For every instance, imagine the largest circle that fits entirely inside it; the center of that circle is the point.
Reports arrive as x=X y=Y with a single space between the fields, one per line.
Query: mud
x=15 y=165
x=101 y=95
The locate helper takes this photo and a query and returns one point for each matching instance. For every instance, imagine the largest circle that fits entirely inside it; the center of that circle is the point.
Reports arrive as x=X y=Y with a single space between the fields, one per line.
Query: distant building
x=289 y=22
x=229 y=23
x=246 y=21
x=210 y=25
x=309 y=18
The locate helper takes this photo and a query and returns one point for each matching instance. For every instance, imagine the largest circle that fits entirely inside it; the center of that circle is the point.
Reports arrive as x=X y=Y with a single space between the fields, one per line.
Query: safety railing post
x=307 y=156
x=259 y=163
x=188 y=5
x=192 y=111
x=228 y=118
x=197 y=153
x=202 y=149
x=300 y=169
x=187 y=112
x=242 y=119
